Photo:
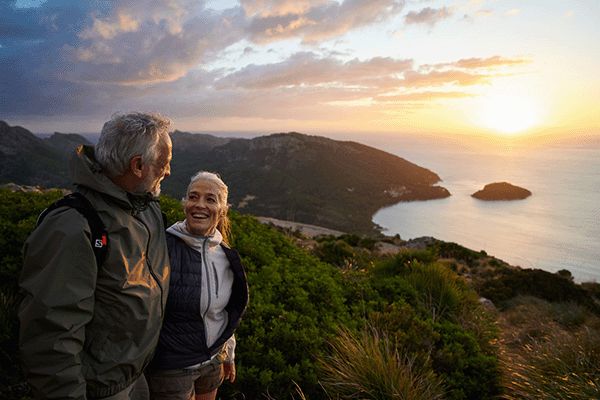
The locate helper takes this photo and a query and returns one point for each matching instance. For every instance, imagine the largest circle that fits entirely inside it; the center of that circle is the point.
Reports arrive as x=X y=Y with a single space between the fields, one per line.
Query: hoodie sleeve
x=58 y=282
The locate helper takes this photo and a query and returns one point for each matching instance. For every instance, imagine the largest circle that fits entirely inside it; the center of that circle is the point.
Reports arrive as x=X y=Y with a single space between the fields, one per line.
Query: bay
x=558 y=227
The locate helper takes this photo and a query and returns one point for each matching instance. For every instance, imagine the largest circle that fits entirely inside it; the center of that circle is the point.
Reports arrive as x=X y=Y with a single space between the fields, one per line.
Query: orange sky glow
x=497 y=68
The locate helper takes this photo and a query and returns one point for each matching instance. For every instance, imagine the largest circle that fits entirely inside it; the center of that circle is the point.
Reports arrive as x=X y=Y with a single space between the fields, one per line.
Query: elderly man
x=88 y=330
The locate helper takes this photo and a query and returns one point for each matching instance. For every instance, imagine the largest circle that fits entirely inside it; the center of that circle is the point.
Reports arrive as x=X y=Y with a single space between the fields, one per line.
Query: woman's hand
x=229 y=371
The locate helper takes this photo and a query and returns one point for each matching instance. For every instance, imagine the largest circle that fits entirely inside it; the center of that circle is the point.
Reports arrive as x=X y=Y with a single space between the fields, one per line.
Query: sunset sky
x=495 y=67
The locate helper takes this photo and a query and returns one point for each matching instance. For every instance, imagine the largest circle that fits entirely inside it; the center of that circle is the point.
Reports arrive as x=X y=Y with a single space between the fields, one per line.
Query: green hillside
x=291 y=176
x=335 y=318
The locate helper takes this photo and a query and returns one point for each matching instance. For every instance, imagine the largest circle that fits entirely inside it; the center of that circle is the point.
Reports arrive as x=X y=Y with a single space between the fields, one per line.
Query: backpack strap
x=99 y=234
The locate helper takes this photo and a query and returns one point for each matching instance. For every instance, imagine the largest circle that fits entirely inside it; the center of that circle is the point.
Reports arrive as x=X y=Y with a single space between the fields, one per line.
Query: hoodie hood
x=87 y=172
x=180 y=230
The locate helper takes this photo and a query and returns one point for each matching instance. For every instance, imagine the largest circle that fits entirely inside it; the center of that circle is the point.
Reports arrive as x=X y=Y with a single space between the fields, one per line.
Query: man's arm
x=58 y=282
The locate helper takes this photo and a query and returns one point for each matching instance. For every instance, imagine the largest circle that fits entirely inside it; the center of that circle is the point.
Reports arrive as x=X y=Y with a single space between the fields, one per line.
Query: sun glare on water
x=508 y=113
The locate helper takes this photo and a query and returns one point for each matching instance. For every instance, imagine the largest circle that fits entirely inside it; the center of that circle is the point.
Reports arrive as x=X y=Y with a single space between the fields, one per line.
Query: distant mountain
x=291 y=176
x=27 y=159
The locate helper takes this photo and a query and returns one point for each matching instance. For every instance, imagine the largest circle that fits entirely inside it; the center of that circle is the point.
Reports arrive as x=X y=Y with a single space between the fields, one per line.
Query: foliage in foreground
x=431 y=320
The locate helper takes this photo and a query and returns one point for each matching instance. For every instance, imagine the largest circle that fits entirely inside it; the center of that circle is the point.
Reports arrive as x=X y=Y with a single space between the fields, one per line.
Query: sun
x=508 y=113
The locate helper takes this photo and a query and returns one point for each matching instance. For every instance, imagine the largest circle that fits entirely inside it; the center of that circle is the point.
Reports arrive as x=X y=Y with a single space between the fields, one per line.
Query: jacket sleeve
x=58 y=282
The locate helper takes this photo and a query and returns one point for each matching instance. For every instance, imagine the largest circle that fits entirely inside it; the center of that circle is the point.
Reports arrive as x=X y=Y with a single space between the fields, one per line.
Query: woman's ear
x=136 y=166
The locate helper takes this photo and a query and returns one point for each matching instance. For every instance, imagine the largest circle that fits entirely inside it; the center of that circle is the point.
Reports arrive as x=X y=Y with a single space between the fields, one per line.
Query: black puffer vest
x=182 y=341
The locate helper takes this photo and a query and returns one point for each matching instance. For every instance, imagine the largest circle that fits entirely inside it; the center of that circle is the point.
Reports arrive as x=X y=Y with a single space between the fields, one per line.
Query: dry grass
x=550 y=351
x=367 y=366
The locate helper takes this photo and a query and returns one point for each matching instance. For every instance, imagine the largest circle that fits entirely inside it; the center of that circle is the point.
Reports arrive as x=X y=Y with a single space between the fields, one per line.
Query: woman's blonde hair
x=224 y=224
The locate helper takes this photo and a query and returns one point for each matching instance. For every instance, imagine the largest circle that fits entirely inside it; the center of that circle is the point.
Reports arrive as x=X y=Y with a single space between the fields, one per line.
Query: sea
x=556 y=228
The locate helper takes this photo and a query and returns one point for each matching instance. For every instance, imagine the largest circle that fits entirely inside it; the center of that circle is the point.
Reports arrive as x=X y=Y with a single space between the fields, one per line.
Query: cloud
x=306 y=69
x=274 y=8
x=319 y=20
x=161 y=43
x=443 y=78
x=107 y=29
x=425 y=96
x=89 y=59
x=427 y=16
x=59 y=55
x=64 y=51
x=480 y=63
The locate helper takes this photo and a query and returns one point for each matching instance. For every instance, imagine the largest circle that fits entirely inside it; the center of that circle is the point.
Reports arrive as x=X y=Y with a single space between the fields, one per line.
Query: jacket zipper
x=152 y=273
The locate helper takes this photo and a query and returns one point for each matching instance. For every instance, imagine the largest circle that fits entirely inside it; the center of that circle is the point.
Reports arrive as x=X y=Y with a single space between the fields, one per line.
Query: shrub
x=535 y=282
x=468 y=372
x=428 y=311
x=460 y=253
x=296 y=304
x=18 y=215
x=438 y=290
x=401 y=262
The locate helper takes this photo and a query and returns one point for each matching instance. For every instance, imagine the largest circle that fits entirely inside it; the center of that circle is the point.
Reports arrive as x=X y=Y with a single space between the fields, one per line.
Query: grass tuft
x=366 y=365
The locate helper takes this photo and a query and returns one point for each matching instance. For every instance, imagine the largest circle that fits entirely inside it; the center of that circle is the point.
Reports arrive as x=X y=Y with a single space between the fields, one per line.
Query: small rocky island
x=501 y=191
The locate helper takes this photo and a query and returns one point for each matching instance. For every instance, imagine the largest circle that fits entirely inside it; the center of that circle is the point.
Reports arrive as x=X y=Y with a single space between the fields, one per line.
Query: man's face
x=154 y=173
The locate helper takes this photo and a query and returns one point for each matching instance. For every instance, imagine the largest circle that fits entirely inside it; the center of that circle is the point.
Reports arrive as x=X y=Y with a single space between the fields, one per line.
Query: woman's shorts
x=185 y=383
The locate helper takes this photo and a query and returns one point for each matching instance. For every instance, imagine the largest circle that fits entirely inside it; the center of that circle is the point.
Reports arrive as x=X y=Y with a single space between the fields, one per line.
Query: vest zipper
x=216 y=280
x=205 y=268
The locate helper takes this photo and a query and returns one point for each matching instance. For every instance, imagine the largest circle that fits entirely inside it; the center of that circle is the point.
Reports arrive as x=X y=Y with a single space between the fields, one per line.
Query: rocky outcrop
x=501 y=191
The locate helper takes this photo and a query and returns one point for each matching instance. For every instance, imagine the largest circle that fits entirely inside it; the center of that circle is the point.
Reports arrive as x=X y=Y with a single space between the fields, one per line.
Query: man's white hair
x=129 y=135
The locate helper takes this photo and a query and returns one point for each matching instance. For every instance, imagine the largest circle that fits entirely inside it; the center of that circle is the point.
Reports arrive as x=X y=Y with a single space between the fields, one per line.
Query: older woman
x=207 y=296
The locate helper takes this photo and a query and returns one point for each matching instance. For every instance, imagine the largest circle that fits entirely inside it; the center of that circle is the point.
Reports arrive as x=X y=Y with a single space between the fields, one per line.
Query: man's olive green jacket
x=85 y=331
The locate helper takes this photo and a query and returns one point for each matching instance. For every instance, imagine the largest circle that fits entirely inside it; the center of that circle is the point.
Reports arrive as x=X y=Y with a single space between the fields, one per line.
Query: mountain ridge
x=291 y=176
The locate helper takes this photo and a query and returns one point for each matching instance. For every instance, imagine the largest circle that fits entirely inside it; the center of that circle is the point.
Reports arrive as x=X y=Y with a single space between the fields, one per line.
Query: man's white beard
x=144 y=188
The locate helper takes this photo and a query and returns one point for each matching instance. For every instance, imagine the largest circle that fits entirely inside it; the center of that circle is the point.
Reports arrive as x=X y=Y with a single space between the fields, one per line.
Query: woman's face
x=202 y=207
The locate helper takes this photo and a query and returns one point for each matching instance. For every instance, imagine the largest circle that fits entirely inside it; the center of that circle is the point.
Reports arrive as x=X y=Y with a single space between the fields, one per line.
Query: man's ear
x=136 y=165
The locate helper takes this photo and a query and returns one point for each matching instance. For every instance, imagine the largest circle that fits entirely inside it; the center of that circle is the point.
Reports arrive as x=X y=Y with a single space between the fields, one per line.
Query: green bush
x=18 y=215
x=296 y=304
x=509 y=283
x=469 y=373
x=428 y=312
x=346 y=251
